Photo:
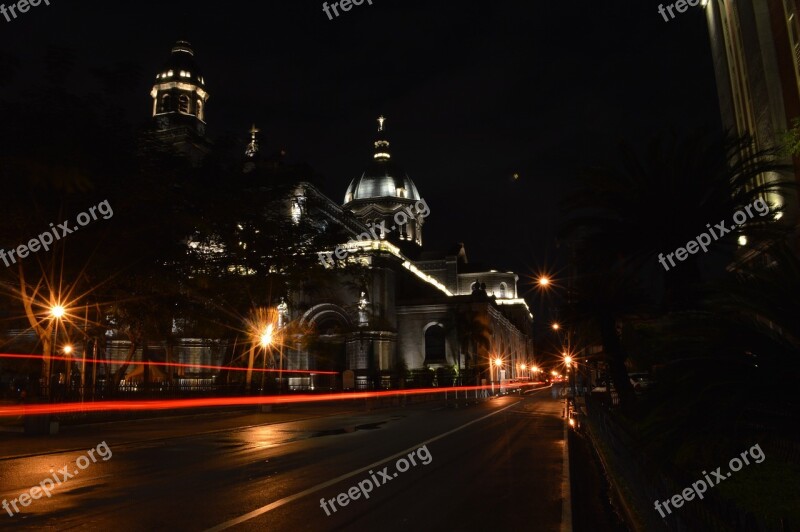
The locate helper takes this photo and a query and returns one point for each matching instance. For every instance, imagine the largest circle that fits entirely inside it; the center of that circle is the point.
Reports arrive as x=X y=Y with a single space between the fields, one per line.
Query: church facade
x=406 y=310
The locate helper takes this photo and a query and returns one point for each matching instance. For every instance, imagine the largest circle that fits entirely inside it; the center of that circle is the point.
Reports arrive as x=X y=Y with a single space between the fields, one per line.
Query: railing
x=645 y=481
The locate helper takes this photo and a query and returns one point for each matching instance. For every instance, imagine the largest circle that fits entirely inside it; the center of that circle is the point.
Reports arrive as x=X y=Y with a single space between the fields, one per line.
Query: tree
x=474 y=336
x=627 y=214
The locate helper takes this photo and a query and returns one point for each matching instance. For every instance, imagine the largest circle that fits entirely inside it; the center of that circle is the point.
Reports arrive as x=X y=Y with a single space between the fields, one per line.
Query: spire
x=252 y=146
x=381 y=144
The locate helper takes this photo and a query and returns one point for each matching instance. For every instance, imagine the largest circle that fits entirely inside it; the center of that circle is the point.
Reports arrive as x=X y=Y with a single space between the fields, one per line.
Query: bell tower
x=179 y=99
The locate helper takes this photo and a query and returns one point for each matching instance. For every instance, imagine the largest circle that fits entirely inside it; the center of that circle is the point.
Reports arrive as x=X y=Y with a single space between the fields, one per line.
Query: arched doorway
x=435 y=344
x=328 y=327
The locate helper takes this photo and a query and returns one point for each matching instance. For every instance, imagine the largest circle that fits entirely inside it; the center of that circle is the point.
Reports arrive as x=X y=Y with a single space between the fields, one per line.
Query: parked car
x=640 y=381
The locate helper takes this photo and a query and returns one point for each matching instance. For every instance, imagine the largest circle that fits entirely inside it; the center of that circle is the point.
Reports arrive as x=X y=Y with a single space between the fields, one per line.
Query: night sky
x=473 y=92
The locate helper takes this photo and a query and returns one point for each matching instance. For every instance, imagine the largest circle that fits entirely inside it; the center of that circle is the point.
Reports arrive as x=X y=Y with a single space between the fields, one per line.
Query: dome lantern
x=383 y=190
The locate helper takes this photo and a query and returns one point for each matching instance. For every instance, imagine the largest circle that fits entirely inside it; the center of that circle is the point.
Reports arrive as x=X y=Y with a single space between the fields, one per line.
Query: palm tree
x=474 y=336
x=624 y=216
x=764 y=296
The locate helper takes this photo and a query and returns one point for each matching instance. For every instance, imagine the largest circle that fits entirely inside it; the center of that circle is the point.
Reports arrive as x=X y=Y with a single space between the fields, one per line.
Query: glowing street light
x=67 y=349
x=544 y=280
x=266 y=336
x=57 y=312
x=535 y=369
x=568 y=360
x=556 y=326
x=498 y=362
x=261 y=326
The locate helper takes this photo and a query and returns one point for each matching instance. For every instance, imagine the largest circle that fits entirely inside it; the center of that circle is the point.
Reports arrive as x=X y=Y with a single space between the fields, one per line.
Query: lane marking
x=291 y=498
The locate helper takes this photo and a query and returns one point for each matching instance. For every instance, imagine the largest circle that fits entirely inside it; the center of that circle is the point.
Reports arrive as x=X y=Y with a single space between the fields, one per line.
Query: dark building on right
x=756 y=50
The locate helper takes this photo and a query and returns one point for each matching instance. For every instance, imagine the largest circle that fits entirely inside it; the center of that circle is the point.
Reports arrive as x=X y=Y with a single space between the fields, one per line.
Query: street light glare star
x=67 y=349
x=57 y=311
x=544 y=281
x=266 y=338
x=556 y=326
x=498 y=362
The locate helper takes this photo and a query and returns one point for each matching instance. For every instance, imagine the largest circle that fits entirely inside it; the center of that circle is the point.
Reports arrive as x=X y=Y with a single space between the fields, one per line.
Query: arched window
x=183 y=104
x=166 y=103
x=503 y=287
x=434 y=343
x=200 y=109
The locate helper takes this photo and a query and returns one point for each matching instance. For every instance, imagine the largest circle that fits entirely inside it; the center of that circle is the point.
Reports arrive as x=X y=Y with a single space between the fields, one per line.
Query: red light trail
x=133 y=406
x=171 y=364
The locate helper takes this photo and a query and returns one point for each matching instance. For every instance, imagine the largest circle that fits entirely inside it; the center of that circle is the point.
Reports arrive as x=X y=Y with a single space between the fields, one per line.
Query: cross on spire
x=381 y=120
x=252 y=146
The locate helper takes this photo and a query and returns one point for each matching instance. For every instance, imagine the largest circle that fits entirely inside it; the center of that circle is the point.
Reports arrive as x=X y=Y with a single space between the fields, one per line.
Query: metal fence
x=645 y=481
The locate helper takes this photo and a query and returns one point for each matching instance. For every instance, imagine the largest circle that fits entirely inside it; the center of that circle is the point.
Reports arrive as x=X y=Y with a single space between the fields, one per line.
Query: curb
x=566 y=489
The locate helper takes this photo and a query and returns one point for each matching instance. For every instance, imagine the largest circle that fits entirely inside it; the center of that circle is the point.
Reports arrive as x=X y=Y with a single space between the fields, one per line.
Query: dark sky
x=473 y=91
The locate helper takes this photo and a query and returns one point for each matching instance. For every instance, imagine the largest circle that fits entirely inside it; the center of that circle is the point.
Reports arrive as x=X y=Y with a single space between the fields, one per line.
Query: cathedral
x=410 y=310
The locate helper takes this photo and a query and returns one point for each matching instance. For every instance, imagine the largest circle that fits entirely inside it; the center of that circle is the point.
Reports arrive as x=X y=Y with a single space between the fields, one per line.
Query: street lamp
x=261 y=325
x=266 y=336
x=555 y=326
x=498 y=362
x=544 y=280
x=266 y=341
x=67 y=350
x=57 y=312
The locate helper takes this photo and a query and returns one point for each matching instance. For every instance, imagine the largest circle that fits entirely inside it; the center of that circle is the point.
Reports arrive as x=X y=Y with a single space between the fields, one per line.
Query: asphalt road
x=493 y=466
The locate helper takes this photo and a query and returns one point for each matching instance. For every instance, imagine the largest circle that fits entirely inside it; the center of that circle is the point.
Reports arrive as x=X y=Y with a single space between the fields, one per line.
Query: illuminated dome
x=382 y=178
x=181 y=66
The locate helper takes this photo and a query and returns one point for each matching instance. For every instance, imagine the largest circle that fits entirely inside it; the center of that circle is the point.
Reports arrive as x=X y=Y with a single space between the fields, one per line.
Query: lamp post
x=67 y=350
x=491 y=374
x=266 y=341
x=280 y=369
x=94 y=367
x=499 y=363
x=56 y=313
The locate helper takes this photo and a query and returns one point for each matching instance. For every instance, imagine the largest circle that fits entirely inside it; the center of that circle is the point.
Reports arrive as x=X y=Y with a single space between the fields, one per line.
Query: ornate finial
x=252 y=146
x=381 y=144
